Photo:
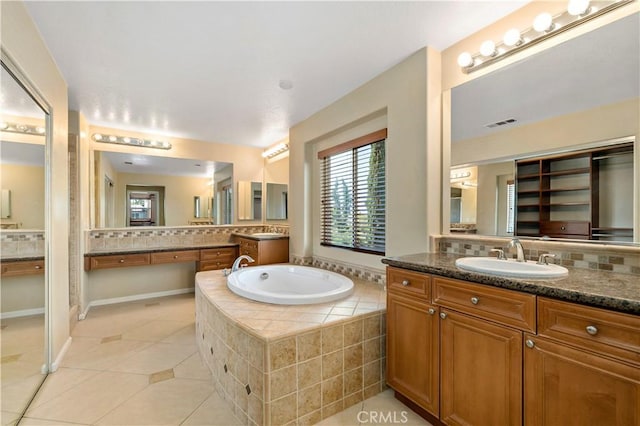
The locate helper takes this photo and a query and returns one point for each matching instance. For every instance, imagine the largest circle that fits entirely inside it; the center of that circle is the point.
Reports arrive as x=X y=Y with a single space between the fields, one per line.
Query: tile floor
x=137 y=364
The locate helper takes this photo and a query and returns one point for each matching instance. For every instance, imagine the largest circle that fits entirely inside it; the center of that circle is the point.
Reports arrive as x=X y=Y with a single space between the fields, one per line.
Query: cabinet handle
x=592 y=330
x=475 y=300
x=431 y=311
x=530 y=343
x=443 y=315
x=405 y=282
x=121 y=260
x=563 y=228
x=175 y=256
x=38 y=266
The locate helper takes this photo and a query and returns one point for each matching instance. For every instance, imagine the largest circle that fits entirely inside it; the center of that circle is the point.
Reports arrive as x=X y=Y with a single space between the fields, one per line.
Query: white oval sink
x=511 y=268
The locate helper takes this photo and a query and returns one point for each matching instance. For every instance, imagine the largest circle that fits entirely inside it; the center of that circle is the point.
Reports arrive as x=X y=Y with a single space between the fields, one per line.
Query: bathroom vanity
x=469 y=348
x=264 y=248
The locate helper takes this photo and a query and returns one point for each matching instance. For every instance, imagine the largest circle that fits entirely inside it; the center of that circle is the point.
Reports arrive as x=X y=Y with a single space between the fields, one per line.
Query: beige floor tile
x=61 y=381
x=348 y=417
x=26 y=421
x=193 y=368
x=155 y=330
x=213 y=412
x=164 y=403
x=392 y=409
x=8 y=418
x=16 y=395
x=157 y=357
x=185 y=336
x=92 y=399
x=90 y=353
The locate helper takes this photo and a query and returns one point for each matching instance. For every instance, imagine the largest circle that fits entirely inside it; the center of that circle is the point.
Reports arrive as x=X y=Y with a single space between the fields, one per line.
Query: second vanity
x=470 y=348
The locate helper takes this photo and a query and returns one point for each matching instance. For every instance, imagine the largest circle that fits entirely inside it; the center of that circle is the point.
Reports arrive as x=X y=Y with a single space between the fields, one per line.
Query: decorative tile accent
x=17 y=243
x=358 y=271
x=622 y=259
x=111 y=338
x=161 y=376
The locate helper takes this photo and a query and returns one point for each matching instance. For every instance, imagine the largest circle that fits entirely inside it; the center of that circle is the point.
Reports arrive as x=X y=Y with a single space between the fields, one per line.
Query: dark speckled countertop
x=107 y=252
x=603 y=289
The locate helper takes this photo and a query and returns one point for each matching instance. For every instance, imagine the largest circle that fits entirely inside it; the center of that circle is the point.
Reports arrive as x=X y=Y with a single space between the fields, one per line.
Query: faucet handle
x=500 y=252
x=544 y=258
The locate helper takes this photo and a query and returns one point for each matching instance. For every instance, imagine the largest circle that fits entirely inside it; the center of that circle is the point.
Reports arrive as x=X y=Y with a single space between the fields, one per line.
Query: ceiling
x=211 y=71
x=14 y=99
x=154 y=165
x=598 y=68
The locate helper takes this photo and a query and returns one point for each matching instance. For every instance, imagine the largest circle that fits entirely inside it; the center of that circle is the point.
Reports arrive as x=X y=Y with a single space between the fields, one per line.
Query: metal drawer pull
x=405 y=282
x=175 y=256
x=475 y=300
x=38 y=266
x=530 y=343
x=443 y=315
x=431 y=311
x=592 y=330
x=121 y=260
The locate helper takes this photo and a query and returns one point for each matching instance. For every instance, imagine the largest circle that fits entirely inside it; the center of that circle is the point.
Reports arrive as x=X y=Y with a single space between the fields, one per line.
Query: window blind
x=353 y=197
x=511 y=203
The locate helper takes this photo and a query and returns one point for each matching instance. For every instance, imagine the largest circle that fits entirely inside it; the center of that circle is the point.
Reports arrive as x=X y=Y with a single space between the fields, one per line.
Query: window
x=353 y=194
x=511 y=200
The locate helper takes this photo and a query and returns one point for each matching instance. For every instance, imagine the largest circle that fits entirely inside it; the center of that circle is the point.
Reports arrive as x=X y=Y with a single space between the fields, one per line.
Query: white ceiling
x=154 y=165
x=26 y=154
x=14 y=100
x=598 y=68
x=211 y=70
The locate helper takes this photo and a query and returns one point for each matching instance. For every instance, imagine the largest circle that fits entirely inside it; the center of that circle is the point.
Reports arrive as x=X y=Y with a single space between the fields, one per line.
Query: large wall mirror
x=133 y=190
x=249 y=200
x=551 y=139
x=277 y=201
x=23 y=319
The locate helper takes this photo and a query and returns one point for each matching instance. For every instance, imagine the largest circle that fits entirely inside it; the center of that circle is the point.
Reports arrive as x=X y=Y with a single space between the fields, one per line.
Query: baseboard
x=22 y=313
x=56 y=364
x=133 y=298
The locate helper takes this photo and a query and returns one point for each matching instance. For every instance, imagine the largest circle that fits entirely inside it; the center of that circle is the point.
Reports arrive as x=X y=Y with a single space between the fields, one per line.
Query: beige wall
x=22 y=43
x=22 y=294
x=491 y=217
x=404 y=95
x=26 y=184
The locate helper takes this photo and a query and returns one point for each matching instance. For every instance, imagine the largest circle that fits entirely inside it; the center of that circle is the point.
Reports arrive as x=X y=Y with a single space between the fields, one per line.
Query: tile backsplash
x=605 y=257
x=21 y=243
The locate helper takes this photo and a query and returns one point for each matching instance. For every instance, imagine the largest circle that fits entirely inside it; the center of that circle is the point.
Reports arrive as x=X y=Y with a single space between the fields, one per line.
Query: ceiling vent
x=501 y=123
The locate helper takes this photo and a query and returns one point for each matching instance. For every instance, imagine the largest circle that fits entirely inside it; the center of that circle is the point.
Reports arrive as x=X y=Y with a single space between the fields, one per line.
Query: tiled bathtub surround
x=21 y=243
x=354 y=271
x=622 y=259
x=187 y=236
x=277 y=364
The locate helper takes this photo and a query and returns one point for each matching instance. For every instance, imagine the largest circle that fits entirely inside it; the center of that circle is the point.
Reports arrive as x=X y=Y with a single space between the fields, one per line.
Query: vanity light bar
x=459 y=175
x=126 y=140
x=275 y=150
x=544 y=26
x=22 y=128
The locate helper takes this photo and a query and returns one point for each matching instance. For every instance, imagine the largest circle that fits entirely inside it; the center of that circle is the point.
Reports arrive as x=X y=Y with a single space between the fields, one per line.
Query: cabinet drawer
x=495 y=304
x=609 y=333
x=248 y=244
x=119 y=261
x=565 y=228
x=251 y=252
x=218 y=254
x=175 y=256
x=19 y=268
x=409 y=283
x=212 y=265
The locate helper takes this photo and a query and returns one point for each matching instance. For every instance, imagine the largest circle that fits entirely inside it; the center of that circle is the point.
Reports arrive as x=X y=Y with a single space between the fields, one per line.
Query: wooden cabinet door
x=481 y=372
x=567 y=386
x=413 y=350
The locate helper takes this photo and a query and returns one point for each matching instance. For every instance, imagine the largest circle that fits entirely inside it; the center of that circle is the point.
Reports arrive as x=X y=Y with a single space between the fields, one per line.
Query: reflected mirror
x=22 y=287
x=249 y=200
x=556 y=115
x=146 y=190
x=277 y=201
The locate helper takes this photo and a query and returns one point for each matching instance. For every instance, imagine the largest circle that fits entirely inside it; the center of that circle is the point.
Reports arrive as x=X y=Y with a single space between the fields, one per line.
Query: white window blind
x=511 y=203
x=353 y=196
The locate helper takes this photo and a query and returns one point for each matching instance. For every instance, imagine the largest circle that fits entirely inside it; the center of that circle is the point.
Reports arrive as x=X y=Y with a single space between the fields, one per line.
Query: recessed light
x=286 y=84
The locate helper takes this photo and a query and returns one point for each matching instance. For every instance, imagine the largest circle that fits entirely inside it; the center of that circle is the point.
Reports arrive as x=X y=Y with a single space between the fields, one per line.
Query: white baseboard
x=133 y=298
x=22 y=313
x=56 y=364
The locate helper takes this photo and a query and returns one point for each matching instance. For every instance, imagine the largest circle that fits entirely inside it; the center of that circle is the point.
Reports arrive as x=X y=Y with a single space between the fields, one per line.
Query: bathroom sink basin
x=266 y=234
x=511 y=268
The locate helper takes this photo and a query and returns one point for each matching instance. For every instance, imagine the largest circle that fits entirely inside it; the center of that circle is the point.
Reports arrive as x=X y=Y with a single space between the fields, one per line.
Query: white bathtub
x=289 y=284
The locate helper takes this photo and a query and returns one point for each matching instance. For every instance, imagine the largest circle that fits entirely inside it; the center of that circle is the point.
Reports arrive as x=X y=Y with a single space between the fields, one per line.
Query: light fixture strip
x=561 y=22
x=276 y=150
x=22 y=128
x=129 y=141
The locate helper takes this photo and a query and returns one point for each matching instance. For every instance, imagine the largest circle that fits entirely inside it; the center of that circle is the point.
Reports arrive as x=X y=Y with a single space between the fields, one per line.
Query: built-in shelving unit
x=560 y=196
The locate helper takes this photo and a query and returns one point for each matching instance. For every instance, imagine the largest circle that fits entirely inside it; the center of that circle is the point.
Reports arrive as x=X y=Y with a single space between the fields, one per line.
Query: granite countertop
x=21 y=258
x=107 y=252
x=262 y=236
x=603 y=289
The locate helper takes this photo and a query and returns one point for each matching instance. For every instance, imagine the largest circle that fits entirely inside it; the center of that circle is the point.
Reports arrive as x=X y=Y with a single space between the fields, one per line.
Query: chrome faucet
x=519 y=250
x=236 y=263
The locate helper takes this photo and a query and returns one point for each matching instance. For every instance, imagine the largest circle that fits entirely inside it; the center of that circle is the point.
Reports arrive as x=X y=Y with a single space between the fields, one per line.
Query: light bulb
x=543 y=23
x=40 y=130
x=4 y=125
x=112 y=138
x=22 y=127
x=97 y=136
x=126 y=140
x=488 y=48
x=578 y=7
x=512 y=38
x=465 y=60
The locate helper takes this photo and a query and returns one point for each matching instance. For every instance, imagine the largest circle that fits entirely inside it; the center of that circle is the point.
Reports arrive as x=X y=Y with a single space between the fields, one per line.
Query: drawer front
x=212 y=265
x=409 y=283
x=606 y=332
x=219 y=254
x=507 y=307
x=251 y=252
x=16 y=269
x=556 y=227
x=119 y=261
x=175 y=256
x=248 y=244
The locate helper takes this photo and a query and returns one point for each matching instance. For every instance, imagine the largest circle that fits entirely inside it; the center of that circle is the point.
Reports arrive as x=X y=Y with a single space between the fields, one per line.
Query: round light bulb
x=488 y=48
x=22 y=127
x=112 y=138
x=543 y=23
x=465 y=60
x=4 y=125
x=578 y=7
x=512 y=38
x=97 y=136
x=126 y=140
x=40 y=130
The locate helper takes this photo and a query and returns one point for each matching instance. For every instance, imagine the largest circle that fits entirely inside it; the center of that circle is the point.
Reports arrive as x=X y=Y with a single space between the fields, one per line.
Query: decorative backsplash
x=189 y=236
x=622 y=259
x=357 y=271
x=19 y=243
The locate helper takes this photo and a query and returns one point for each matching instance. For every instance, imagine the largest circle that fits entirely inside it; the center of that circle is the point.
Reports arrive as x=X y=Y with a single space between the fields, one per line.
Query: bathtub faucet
x=236 y=263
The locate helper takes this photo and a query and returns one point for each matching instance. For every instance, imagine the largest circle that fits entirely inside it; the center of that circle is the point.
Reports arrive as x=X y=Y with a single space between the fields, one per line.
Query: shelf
x=529 y=176
x=580 y=188
x=528 y=222
x=576 y=203
x=533 y=192
x=580 y=171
